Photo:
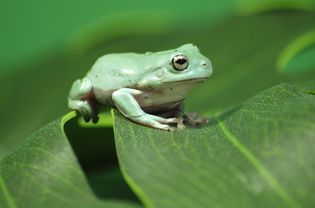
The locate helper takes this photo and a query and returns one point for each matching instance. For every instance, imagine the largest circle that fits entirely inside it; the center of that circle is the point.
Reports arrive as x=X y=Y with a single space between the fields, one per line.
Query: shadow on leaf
x=95 y=150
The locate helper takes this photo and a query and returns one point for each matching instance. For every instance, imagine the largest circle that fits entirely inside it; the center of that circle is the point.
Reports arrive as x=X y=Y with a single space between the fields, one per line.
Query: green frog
x=148 y=88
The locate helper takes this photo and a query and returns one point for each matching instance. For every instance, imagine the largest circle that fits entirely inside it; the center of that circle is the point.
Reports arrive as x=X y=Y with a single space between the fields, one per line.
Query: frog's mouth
x=193 y=80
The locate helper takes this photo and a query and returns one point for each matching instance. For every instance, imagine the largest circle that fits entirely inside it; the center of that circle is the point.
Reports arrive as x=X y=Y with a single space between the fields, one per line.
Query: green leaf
x=48 y=33
x=259 y=154
x=298 y=56
x=34 y=93
x=250 y=7
x=44 y=172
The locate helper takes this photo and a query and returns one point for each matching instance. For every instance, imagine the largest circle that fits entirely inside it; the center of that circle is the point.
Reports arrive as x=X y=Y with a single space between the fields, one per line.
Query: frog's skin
x=141 y=86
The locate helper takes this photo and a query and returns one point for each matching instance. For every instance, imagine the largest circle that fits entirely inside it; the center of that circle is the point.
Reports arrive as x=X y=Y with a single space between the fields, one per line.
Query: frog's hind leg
x=81 y=99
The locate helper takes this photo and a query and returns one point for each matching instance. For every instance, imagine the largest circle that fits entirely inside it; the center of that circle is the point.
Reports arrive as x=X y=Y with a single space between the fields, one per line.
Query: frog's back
x=115 y=71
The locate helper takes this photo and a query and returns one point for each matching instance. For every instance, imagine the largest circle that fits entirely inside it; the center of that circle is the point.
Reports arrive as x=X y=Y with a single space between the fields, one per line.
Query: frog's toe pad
x=155 y=121
x=86 y=110
x=85 y=86
x=162 y=120
x=180 y=123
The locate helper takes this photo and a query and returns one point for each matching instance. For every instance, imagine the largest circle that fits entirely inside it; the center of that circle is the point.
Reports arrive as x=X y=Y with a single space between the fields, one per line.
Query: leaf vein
x=260 y=167
x=7 y=194
x=64 y=181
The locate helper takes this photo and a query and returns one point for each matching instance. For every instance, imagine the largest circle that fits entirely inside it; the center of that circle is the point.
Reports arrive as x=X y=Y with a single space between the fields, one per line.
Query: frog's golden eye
x=180 y=62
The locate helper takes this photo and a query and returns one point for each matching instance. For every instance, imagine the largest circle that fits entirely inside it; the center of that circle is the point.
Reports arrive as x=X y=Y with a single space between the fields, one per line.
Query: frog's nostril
x=204 y=64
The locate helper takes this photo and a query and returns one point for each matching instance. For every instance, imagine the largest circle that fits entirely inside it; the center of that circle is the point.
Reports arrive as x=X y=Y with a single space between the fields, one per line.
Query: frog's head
x=186 y=63
x=181 y=66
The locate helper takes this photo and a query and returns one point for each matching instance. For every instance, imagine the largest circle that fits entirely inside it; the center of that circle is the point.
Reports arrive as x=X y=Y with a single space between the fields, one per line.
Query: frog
x=146 y=88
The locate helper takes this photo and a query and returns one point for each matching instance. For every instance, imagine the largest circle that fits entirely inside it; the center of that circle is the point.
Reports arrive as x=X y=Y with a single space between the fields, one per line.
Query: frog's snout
x=204 y=63
x=206 y=67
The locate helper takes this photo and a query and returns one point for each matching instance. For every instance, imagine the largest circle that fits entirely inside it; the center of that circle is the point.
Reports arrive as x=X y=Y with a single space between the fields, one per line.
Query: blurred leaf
x=260 y=154
x=299 y=55
x=247 y=7
x=44 y=172
x=244 y=52
x=45 y=33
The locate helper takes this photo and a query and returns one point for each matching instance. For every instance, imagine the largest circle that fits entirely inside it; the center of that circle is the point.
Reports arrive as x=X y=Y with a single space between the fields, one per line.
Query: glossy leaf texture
x=258 y=154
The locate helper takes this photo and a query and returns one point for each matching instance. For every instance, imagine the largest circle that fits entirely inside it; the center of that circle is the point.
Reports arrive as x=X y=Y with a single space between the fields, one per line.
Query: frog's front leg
x=79 y=99
x=130 y=108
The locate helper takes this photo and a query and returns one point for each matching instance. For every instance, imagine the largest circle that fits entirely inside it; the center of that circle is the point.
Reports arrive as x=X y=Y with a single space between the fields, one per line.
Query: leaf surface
x=259 y=154
x=44 y=172
x=298 y=56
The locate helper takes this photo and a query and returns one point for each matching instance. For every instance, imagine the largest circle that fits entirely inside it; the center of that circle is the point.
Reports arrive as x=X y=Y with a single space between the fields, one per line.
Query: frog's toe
x=85 y=117
x=85 y=114
x=88 y=117
x=194 y=120
x=86 y=110
x=85 y=86
x=152 y=121
x=95 y=119
x=170 y=128
x=171 y=120
x=163 y=120
x=163 y=127
x=180 y=123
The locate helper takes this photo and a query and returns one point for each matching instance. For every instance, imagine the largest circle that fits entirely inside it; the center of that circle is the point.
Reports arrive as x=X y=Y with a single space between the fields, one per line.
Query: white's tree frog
x=148 y=89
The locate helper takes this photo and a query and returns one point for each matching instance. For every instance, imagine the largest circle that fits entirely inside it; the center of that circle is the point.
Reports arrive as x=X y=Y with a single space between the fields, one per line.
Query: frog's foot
x=180 y=122
x=81 y=99
x=85 y=109
x=80 y=88
x=193 y=119
x=155 y=121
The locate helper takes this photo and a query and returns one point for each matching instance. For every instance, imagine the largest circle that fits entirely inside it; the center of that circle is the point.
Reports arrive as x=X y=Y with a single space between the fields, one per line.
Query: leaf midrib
x=6 y=192
x=262 y=170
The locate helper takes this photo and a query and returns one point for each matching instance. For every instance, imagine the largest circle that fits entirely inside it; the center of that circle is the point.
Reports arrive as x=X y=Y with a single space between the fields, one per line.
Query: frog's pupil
x=181 y=61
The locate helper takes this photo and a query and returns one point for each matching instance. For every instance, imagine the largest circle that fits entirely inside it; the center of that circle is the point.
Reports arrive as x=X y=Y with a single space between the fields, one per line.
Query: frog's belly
x=157 y=102
x=161 y=108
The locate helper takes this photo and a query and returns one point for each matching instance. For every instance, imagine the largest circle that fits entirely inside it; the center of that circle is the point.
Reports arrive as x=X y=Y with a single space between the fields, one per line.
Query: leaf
x=249 y=7
x=298 y=56
x=259 y=154
x=44 y=172
x=35 y=93
x=244 y=67
x=47 y=32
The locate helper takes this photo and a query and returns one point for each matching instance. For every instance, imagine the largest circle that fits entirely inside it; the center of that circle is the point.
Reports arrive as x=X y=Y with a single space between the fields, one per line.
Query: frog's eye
x=180 y=62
